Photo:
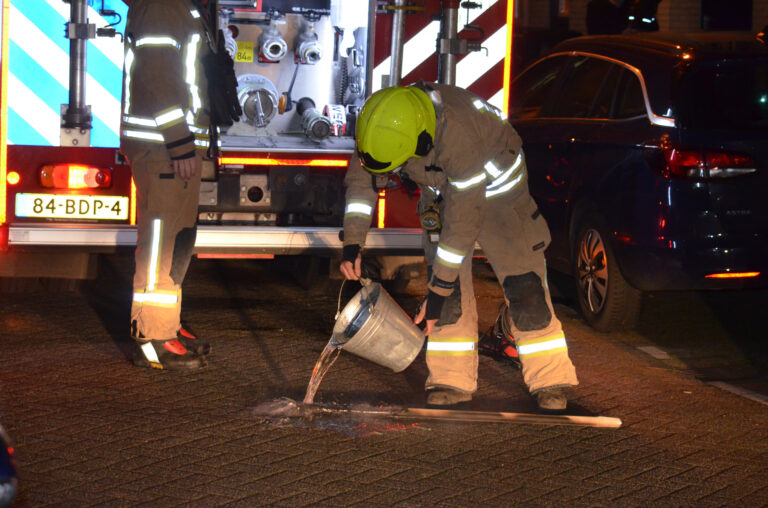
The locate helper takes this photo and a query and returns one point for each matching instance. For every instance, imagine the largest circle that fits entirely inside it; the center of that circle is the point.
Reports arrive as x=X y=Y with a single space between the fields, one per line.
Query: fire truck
x=304 y=69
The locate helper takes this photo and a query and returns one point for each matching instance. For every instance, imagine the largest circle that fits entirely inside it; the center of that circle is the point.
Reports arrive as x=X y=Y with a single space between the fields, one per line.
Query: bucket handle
x=363 y=281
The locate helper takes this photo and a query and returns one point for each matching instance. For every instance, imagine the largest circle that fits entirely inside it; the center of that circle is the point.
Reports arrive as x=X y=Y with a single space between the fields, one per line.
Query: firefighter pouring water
x=468 y=161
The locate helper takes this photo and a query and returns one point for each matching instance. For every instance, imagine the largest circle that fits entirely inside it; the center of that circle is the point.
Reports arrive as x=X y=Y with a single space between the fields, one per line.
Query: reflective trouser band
x=356 y=208
x=154 y=254
x=458 y=346
x=542 y=347
x=448 y=256
x=166 y=299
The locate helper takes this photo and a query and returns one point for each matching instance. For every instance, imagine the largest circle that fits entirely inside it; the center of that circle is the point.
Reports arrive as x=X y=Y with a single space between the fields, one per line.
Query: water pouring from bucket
x=373 y=326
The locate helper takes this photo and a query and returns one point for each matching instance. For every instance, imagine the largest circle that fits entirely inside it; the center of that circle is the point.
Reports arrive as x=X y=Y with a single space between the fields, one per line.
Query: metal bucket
x=372 y=325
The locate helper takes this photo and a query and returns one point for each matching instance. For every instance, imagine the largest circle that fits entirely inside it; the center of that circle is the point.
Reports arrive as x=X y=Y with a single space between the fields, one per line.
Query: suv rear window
x=576 y=97
x=730 y=95
x=532 y=89
x=630 y=102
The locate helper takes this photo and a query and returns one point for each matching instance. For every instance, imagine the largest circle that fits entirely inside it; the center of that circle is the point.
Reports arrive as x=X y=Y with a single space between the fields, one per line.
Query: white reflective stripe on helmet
x=169 y=117
x=357 y=207
x=437 y=345
x=449 y=256
x=154 y=254
x=539 y=347
x=158 y=41
x=143 y=135
x=505 y=176
x=160 y=298
x=470 y=182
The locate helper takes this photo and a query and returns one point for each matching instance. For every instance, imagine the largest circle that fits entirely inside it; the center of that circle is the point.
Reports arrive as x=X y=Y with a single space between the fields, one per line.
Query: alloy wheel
x=592 y=269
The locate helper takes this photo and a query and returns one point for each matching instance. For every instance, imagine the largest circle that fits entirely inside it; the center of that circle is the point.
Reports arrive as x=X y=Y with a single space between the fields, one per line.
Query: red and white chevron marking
x=481 y=72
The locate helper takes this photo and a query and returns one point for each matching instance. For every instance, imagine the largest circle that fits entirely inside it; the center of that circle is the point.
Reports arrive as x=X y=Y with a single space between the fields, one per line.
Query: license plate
x=62 y=206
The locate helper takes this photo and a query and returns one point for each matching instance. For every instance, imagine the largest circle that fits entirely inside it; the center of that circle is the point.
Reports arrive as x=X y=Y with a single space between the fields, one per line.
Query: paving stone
x=90 y=429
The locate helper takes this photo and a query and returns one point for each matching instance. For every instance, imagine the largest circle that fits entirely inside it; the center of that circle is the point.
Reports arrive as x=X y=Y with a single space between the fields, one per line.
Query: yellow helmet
x=395 y=124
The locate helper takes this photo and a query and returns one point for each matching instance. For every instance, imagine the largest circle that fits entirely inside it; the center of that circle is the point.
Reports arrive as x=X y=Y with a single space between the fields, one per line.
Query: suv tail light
x=700 y=164
x=75 y=176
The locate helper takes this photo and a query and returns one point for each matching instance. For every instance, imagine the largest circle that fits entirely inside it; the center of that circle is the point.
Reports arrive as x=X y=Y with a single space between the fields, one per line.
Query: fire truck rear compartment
x=284 y=196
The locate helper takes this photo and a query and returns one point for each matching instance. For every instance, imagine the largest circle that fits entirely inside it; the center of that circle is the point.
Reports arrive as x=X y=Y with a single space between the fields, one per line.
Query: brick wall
x=672 y=14
x=578 y=21
x=537 y=12
x=759 y=15
x=680 y=15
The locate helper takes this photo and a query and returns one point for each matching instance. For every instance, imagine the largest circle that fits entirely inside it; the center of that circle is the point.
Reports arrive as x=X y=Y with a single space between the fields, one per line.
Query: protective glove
x=351 y=262
x=434 y=303
x=350 y=253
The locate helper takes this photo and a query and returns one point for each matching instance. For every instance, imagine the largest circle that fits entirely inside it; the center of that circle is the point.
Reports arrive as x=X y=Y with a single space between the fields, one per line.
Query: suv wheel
x=606 y=299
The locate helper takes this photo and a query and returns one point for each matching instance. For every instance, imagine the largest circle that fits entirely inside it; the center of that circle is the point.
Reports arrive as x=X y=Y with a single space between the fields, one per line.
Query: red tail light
x=75 y=176
x=702 y=164
x=3 y=237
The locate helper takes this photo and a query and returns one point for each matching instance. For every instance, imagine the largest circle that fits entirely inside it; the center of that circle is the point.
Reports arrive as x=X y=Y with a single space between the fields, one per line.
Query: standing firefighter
x=469 y=164
x=165 y=136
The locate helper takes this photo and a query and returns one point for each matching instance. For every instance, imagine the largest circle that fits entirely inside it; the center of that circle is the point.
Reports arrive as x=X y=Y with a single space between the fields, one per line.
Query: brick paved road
x=90 y=429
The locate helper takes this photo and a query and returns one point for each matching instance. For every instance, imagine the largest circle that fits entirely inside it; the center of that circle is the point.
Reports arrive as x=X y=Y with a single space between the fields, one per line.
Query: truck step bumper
x=252 y=239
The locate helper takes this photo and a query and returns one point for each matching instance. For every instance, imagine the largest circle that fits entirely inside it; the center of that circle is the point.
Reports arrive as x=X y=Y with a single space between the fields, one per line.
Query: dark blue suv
x=648 y=156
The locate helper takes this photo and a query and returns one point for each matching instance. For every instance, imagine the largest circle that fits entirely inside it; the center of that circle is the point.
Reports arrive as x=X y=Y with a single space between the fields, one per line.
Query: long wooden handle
x=457 y=415
x=488 y=416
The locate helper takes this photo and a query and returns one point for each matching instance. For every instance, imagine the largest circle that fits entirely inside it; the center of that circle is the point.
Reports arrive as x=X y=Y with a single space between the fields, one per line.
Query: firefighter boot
x=498 y=343
x=551 y=399
x=191 y=342
x=445 y=396
x=166 y=354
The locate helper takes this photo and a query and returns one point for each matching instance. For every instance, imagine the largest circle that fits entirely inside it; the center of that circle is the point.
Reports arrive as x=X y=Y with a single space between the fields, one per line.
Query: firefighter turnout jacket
x=475 y=176
x=164 y=119
x=164 y=90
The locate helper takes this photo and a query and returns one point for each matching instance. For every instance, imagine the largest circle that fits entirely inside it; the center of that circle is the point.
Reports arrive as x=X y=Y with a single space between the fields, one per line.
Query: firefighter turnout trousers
x=166 y=219
x=513 y=237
